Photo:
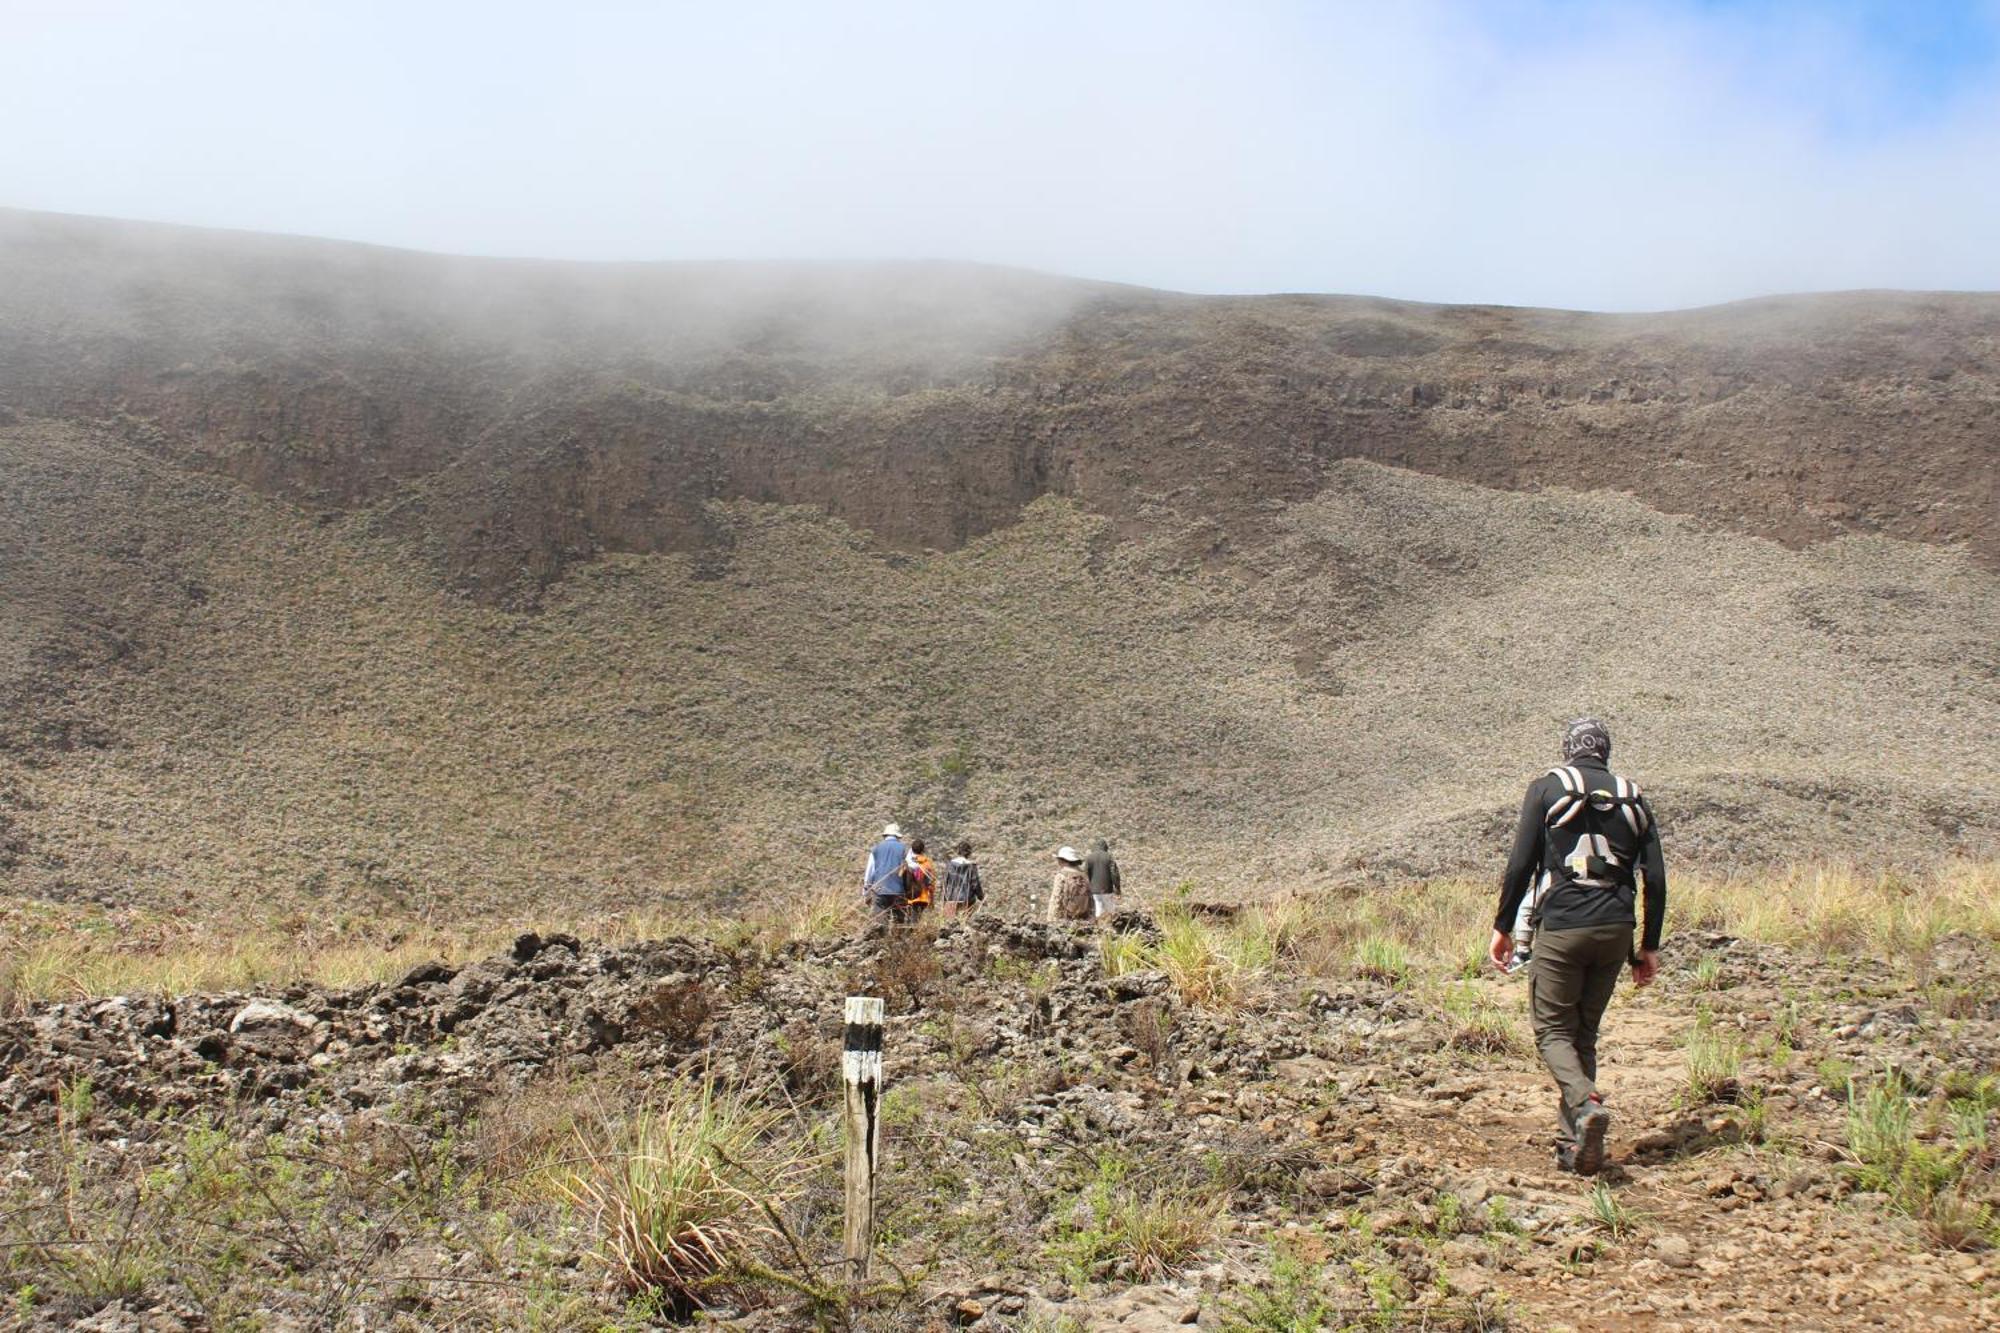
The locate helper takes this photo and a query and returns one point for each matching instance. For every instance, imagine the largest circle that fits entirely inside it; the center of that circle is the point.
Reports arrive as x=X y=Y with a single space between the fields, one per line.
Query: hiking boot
x=1591 y=1127
x=1522 y=957
x=1566 y=1158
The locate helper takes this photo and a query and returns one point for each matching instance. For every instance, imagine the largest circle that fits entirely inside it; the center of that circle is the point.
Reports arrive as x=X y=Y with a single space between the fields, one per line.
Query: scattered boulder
x=268 y=1016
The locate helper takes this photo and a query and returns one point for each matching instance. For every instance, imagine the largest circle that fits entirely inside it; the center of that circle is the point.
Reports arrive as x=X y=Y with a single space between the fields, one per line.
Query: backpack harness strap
x=1593 y=863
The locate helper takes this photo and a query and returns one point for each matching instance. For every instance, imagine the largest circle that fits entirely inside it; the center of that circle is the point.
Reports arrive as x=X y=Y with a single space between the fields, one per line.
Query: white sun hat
x=892 y=830
x=1067 y=853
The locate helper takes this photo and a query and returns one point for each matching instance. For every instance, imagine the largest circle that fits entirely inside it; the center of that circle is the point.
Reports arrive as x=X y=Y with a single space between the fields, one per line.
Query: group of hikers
x=1570 y=911
x=901 y=882
x=900 y=879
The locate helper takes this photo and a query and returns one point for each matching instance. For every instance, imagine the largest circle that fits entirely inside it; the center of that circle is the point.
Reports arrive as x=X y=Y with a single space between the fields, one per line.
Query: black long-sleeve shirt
x=1102 y=870
x=1570 y=906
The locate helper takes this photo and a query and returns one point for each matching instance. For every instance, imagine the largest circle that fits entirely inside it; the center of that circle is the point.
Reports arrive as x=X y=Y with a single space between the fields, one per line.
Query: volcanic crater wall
x=517 y=416
x=330 y=573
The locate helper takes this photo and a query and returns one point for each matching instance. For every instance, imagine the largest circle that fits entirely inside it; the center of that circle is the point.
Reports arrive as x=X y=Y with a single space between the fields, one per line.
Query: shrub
x=1753 y=1120
x=681 y=1196
x=1149 y=1026
x=1789 y=1025
x=675 y=1010
x=1292 y=1302
x=908 y=967
x=1957 y=1222
x=521 y=1137
x=1881 y=1132
x=809 y=1060
x=1925 y=1181
x=1113 y=1229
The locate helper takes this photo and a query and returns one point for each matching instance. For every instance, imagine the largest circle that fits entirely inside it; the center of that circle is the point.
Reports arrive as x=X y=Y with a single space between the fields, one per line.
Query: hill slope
x=338 y=572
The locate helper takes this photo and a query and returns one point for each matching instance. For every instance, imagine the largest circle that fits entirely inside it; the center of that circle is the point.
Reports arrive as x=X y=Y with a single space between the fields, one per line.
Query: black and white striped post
x=861 y=1075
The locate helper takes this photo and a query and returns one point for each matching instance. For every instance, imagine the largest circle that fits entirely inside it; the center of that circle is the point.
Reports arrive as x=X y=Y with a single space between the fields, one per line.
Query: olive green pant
x=1570 y=980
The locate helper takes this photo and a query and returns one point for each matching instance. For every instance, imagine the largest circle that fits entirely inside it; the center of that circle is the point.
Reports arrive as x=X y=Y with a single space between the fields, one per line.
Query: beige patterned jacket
x=1066 y=877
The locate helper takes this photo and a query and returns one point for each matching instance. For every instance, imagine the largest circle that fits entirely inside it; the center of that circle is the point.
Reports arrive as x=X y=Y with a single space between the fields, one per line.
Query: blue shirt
x=885 y=869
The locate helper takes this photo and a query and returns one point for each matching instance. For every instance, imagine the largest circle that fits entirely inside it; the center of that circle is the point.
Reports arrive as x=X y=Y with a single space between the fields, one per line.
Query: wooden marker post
x=861 y=1072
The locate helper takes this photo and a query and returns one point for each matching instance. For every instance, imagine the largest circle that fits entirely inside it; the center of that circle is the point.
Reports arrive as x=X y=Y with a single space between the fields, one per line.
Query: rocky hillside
x=1078 y=1135
x=336 y=574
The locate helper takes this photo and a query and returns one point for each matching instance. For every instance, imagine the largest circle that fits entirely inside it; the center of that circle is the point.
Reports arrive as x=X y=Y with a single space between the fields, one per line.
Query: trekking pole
x=861 y=1076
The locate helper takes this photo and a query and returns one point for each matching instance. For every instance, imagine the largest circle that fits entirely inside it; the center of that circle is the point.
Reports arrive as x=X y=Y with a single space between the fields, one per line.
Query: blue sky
x=1604 y=155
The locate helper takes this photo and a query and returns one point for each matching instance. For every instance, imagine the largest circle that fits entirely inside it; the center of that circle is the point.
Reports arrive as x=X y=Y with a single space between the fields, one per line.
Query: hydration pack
x=1591 y=860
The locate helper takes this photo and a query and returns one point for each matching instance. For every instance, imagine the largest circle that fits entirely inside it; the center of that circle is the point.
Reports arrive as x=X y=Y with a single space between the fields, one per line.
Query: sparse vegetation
x=1117 y=1229
x=1382 y=959
x=1929 y=1181
x=1293 y=1299
x=304 y=693
x=1714 y=1065
x=1477 y=1023
x=1609 y=1214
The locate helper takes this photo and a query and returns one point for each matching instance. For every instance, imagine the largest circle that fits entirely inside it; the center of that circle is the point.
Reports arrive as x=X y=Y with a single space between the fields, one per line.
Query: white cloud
x=1612 y=157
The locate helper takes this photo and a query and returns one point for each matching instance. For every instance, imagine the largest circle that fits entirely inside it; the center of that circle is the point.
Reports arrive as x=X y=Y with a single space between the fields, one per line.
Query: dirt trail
x=1719 y=1238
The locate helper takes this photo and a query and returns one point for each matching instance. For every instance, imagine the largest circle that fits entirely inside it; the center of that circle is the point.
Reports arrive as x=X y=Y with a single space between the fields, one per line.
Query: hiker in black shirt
x=1105 y=882
x=1586 y=841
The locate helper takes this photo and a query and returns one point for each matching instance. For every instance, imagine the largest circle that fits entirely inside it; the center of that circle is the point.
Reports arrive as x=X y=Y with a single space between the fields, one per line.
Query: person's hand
x=1647 y=965
x=1501 y=950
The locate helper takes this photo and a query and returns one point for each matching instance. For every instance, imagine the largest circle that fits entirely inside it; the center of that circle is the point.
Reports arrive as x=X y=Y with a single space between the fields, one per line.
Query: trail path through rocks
x=1334 y=1117
x=1714 y=1243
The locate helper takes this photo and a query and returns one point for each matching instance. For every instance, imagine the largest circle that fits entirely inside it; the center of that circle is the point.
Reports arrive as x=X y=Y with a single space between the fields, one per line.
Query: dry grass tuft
x=1714 y=1065
x=1197 y=963
x=683 y=1195
x=1836 y=910
x=59 y=953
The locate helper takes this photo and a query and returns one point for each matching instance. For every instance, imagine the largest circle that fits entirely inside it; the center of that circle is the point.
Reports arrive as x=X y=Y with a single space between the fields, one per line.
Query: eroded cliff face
x=517 y=417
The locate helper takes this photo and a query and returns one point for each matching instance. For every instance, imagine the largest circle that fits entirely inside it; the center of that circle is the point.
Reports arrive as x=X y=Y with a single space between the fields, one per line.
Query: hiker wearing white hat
x=882 y=872
x=1069 y=894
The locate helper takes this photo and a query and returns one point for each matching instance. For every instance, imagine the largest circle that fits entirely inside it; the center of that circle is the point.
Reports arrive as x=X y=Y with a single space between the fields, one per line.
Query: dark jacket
x=961 y=881
x=1102 y=870
x=1569 y=905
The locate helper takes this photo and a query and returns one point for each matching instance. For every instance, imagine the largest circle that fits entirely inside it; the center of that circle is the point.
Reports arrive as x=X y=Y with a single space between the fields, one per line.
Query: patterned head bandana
x=1586 y=738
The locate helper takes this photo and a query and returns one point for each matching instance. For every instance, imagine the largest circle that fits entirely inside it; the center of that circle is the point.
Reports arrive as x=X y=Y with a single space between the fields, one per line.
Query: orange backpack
x=917 y=882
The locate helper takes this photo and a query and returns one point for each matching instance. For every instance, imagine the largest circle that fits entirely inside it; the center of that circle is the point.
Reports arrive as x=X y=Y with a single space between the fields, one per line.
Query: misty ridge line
x=897 y=285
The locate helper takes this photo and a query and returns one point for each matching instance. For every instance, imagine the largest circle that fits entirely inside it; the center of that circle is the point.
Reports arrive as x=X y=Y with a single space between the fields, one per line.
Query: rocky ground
x=1070 y=1142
